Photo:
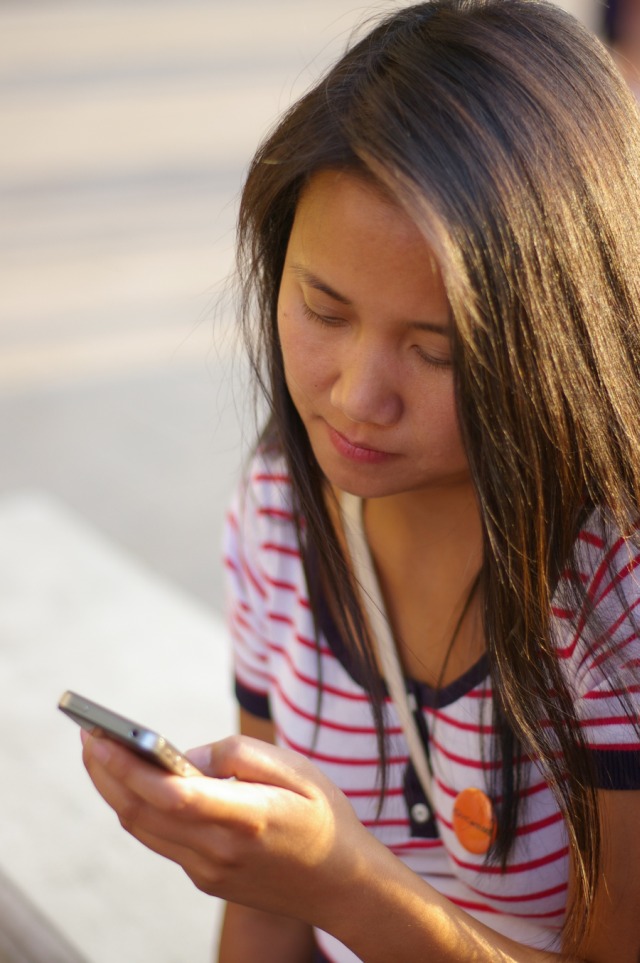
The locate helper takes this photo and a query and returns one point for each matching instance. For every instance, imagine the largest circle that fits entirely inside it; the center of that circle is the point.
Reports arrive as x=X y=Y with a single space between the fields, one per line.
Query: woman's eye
x=320 y=318
x=441 y=363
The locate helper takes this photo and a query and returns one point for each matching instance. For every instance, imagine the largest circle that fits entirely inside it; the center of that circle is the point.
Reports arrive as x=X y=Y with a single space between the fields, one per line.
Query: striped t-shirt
x=279 y=669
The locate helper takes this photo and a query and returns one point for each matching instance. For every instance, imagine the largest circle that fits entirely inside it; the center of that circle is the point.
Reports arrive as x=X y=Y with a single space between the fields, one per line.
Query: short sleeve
x=246 y=603
x=600 y=649
x=264 y=577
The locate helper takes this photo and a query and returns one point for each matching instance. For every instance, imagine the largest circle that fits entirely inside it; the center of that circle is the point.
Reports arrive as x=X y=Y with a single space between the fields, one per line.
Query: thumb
x=251 y=760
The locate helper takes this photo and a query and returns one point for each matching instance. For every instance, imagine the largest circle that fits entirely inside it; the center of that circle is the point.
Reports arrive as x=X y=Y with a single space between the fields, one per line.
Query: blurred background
x=126 y=126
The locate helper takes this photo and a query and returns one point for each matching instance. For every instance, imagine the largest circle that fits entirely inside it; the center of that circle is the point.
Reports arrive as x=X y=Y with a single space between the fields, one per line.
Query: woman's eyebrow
x=307 y=277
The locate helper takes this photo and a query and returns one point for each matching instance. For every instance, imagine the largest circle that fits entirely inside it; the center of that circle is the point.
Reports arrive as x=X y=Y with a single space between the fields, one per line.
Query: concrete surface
x=76 y=612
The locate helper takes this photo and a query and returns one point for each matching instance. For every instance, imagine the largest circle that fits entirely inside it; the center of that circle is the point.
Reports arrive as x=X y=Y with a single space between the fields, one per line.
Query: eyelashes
x=319 y=318
x=440 y=364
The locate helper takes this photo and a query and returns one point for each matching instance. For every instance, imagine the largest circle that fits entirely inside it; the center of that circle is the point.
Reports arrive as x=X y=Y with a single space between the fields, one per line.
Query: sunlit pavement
x=126 y=127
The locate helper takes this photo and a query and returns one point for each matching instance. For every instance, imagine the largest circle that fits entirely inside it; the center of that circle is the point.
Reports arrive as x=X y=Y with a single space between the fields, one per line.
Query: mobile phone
x=145 y=742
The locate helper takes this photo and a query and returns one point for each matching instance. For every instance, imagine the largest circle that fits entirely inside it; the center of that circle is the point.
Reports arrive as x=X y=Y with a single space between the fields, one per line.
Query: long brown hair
x=503 y=127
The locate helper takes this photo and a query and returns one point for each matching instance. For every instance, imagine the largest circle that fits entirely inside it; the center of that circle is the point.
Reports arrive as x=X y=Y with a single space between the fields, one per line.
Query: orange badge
x=473 y=821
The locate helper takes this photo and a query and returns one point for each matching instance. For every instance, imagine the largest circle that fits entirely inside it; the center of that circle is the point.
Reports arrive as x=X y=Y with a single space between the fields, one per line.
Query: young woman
x=439 y=245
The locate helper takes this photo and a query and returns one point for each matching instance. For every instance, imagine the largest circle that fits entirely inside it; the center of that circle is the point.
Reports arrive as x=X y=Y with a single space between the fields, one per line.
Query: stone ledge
x=77 y=612
x=26 y=936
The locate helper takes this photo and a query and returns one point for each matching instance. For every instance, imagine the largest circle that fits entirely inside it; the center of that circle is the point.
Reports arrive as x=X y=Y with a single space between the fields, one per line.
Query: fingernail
x=100 y=751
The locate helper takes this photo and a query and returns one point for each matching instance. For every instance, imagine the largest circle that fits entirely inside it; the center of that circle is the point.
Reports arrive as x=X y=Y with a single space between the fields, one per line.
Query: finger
x=113 y=790
x=136 y=815
x=206 y=873
x=117 y=773
x=201 y=849
x=251 y=760
x=127 y=783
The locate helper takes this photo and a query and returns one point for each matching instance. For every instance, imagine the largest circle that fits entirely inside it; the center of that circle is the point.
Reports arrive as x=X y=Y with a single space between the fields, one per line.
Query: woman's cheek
x=306 y=353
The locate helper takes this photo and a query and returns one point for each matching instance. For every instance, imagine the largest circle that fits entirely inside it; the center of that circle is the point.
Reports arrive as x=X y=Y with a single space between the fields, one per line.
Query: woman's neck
x=432 y=521
x=428 y=554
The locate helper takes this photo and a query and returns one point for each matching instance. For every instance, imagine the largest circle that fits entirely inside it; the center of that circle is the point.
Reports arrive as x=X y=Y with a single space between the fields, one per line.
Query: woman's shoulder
x=265 y=486
x=607 y=555
x=597 y=602
x=262 y=506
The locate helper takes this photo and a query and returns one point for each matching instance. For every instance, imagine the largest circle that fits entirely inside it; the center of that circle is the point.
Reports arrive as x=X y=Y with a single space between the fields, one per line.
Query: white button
x=420 y=813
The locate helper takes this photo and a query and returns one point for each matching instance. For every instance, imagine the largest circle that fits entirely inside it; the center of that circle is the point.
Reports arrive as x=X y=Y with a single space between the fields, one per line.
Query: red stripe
x=385 y=823
x=592 y=590
x=280 y=513
x=230 y=564
x=612 y=693
x=260 y=589
x=570 y=575
x=605 y=568
x=480 y=693
x=615 y=746
x=591 y=539
x=241 y=665
x=607 y=653
x=514 y=867
x=280 y=617
x=623 y=720
x=240 y=621
x=457 y=724
x=264 y=476
x=525 y=897
x=336 y=760
x=468 y=905
x=480 y=907
x=280 y=584
x=308 y=643
x=416 y=846
x=305 y=643
x=313 y=682
x=465 y=761
x=325 y=723
x=621 y=573
x=522 y=830
x=539 y=824
x=602 y=569
x=280 y=549
x=232 y=521
x=530 y=790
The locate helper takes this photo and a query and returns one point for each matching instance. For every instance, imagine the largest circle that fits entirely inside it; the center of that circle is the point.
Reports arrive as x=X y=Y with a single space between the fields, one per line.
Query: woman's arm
x=249 y=935
x=423 y=918
x=614 y=933
x=272 y=832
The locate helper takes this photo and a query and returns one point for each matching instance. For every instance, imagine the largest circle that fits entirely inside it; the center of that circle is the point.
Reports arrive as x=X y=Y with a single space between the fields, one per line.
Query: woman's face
x=364 y=326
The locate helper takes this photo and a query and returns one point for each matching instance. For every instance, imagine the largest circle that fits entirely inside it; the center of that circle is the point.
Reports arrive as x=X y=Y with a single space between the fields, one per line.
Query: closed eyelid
x=310 y=280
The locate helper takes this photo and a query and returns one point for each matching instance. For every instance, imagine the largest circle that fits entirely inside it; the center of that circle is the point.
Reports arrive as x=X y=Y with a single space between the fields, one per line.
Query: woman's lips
x=356 y=451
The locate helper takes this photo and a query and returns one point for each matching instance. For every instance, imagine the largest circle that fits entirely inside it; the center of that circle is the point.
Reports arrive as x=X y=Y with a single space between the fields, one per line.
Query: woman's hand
x=262 y=827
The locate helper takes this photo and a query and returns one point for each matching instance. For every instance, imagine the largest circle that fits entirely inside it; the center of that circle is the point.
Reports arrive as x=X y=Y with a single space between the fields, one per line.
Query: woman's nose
x=364 y=390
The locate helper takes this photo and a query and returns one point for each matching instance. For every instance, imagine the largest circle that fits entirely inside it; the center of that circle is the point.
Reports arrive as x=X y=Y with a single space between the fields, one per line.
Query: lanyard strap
x=382 y=639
